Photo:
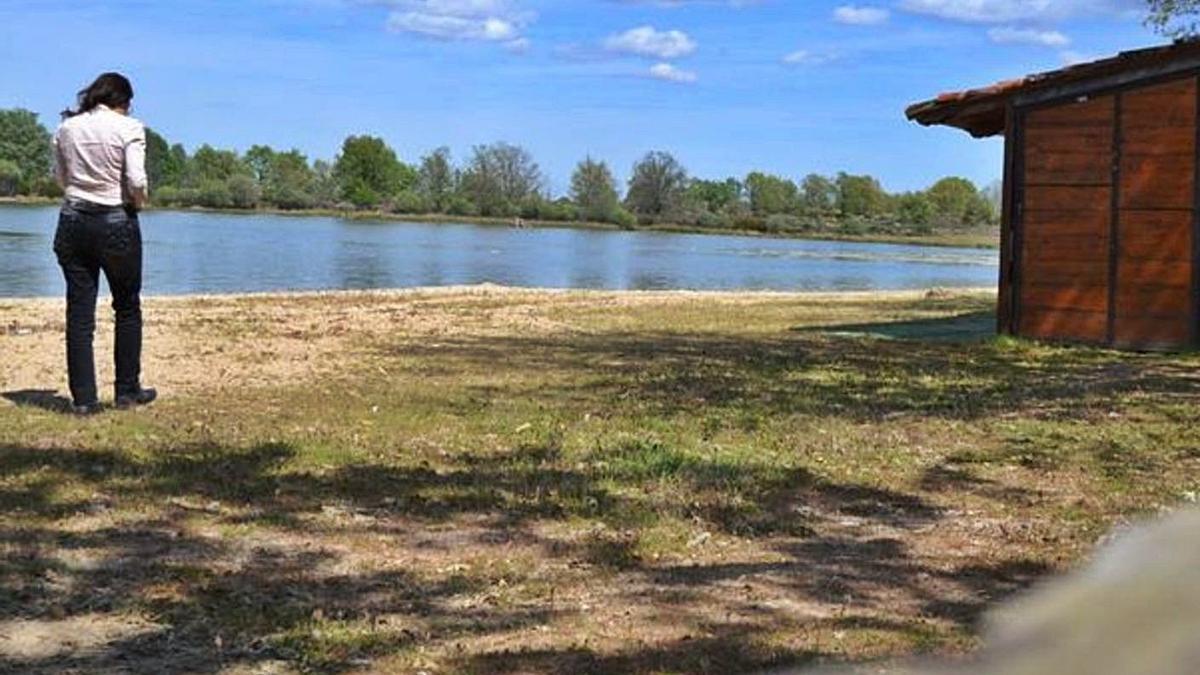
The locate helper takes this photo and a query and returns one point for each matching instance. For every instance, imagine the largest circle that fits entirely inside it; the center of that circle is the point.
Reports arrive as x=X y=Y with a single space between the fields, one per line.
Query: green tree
x=288 y=181
x=981 y=212
x=994 y=194
x=594 y=191
x=500 y=178
x=957 y=202
x=211 y=173
x=914 y=209
x=324 y=189
x=860 y=195
x=260 y=158
x=771 y=194
x=656 y=185
x=166 y=165
x=716 y=196
x=818 y=194
x=26 y=143
x=175 y=169
x=368 y=171
x=157 y=153
x=437 y=179
x=209 y=165
x=1174 y=18
x=10 y=178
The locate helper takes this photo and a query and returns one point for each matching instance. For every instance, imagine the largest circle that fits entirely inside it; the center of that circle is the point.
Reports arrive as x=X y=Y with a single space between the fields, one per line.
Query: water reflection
x=210 y=253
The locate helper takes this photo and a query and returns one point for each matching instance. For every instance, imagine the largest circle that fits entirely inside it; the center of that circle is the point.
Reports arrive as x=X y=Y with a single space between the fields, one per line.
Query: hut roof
x=981 y=112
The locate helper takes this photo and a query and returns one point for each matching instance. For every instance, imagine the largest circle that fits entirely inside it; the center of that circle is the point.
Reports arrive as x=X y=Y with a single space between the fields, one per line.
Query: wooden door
x=1153 y=295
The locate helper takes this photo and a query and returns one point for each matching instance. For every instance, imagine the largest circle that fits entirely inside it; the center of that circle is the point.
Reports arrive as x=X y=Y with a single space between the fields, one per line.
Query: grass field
x=495 y=481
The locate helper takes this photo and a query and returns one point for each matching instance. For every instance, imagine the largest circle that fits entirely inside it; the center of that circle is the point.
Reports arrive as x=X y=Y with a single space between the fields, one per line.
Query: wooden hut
x=1100 y=240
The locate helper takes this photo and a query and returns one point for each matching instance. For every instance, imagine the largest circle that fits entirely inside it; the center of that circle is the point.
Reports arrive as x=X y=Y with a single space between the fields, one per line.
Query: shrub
x=532 y=208
x=561 y=211
x=362 y=196
x=783 y=222
x=855 y=226
x=917 y=228
x=409 y=202
x=291 y=198
x=214 y=194
x=244 y=192
x=47 y=187
x=10 y=178
x=497 y=208
x=713 y=220
x=625 y=219
x=167 y=195
x=461 y=206
x=748 y=221
x=170 y=195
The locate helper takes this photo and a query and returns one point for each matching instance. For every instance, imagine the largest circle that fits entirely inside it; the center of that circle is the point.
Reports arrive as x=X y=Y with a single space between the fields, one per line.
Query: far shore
x=582 y=294
x=987 y=238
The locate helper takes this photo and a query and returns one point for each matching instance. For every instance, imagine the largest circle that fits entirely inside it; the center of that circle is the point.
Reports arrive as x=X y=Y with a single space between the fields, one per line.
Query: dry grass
x=486 y=480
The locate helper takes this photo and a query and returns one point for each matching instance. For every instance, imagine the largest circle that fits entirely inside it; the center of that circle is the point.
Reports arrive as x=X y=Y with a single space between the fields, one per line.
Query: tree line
x=501 y=180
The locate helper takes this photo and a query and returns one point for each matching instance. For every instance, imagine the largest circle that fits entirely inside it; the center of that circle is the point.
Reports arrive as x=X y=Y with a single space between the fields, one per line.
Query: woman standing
x=101 y=165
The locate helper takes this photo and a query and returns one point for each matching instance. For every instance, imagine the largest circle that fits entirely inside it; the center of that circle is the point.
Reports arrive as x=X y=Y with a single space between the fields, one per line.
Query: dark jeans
x=91 y=238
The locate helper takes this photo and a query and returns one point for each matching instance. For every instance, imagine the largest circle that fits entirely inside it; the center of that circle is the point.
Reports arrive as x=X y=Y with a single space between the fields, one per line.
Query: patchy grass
x=492 y=481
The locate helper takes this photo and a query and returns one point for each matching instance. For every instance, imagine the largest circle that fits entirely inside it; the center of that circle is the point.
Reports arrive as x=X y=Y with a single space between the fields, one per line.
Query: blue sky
x=728 y=86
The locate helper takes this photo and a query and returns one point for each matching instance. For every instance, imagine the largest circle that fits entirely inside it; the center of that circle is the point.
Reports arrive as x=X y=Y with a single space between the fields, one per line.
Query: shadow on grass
x=952 y=476
x=975 y=326
x=811 y=372
x=45 y=399
x=219 y=602
x=209 y=616
x=727 y=648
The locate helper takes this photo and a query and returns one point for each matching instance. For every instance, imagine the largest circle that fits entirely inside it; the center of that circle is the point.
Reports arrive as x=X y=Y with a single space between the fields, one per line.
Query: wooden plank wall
x=1065 y=221
x=1006 y=298
x=1153 y=299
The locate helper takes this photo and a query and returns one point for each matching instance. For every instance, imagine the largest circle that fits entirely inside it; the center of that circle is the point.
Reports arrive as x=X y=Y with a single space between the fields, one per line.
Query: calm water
x=206 y=253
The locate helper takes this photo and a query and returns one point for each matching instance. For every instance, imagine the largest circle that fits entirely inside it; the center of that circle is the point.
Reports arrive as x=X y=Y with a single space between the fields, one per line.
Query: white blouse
x=101 y=158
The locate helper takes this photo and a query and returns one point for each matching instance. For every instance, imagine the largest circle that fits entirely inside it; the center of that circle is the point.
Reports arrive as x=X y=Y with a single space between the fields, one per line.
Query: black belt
x=93 y=207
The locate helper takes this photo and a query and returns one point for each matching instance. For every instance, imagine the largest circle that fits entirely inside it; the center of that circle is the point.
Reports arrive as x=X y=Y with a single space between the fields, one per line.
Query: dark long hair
x=110 y=89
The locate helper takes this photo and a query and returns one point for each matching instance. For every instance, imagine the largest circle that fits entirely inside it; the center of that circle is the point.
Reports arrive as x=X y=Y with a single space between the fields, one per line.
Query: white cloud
x=498 y=21
x=861 y=16
x=649 y=42
x=1009 y=11
x=670 y=73
x=684 y=3
x=804 y=57
x=1029 y=36
x=518 y=46
x=445 y=27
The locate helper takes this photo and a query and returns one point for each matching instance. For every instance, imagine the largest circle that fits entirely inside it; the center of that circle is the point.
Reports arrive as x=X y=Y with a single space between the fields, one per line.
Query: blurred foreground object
x=1135 y=610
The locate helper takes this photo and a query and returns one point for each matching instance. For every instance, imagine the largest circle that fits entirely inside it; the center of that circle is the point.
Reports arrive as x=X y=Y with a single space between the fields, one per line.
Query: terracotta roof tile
x=982 y=111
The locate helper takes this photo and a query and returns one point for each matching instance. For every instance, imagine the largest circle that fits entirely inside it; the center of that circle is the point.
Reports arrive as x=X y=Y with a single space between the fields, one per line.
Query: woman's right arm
x=60 y=165
x=136 y=184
